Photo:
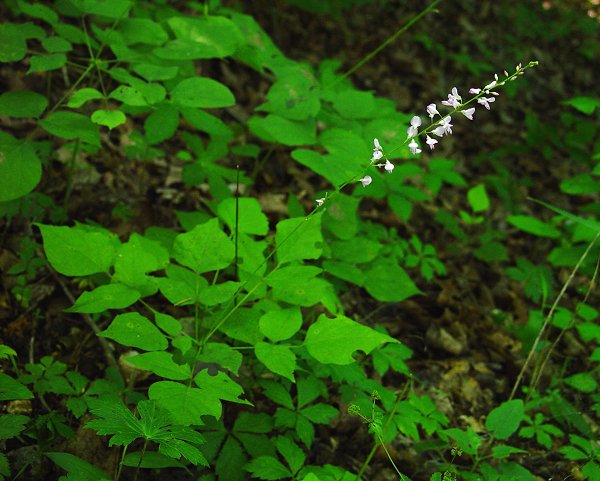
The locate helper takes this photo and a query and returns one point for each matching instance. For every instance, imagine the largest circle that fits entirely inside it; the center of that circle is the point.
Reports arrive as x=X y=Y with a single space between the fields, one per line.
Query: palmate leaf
x=114 y=418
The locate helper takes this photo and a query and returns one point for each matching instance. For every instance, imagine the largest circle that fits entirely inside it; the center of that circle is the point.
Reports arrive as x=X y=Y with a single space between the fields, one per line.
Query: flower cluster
x=443 y=126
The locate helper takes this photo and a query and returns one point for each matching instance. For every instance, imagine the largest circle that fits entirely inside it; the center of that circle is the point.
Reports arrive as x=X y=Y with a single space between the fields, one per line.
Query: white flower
x=389 y=167
x=377 y=145
x=431 y=142
x=320 y=201
x=468 y=113
x=432 y=110
x=485 y=101
x=454 y=99
x=474 y=91
x=413 y=130
x=444 y=128
x=492 y=84
x=366 y=180
x=414 y=147
x=377 y=154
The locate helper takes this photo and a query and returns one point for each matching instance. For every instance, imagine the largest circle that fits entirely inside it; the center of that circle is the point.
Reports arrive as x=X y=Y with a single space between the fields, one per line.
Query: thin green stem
x=391 y=39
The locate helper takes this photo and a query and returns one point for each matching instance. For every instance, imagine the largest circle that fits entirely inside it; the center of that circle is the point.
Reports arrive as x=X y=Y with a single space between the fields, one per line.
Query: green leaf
x=133 y=329
x=109 y=118
x=129 y=96
x=293 y=455
x=11 y=389
x=74 y=251
x=211 y=295
x=478 y=198
x=220 y=386
x=299 y=238
x=11 y=425
x=202 y=92
x=22 y=104
x=278 y=130
x=250 y=218
x=503 y=451
x=186 y=404
x=268 y=468
x=167 y=323
x=56 y=45
x=71 y=125
x=586 y=105
x=319 y=413
x=340 y=216
x=388 y=282
x=281 y=324
x=504 y=420
x=222 y=354
x=38 y=10
x=278 y=359
x=205 y=248
x=137 y=257
x=142 y=30
x=354 y=104
x=80 y=469
x=298 y=285
x=81 y=96
x=150 y=459
x=110 y=296
x=533 y=226
x=161 y=124
x=13 y=44
x=580 y=185
x=105 y=8
x=201 y=37
x=333 y=341
x=583 y=382
x=43 y=63
x=161 y=363
x=20 y=168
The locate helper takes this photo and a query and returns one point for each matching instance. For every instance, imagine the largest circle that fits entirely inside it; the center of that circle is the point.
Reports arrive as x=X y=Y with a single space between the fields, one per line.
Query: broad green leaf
x=340 y=216
x=478 y=198
x=56 y=45
x=298 y=285
x=388 y=282
x=161 y=363
x=299 y=238
x=133 y=329
x=333 y=341
x=201 y=37
x=71 y=125
x=20 y=168
x=129 y=96
x=586 y=105
x=11 y=389
x=354 y=104
x=74 y=251
x=161 y=124
x=167 y=323
x=81 y=96
x=222 y=354
x=583 y=382
x=206 y=122
x=504 y=420
x=202 y=92
x=22 y=104
x=211 y=295
x=533 y=226
x=11 y=425
x=268 y=468
x=278 y=130
x=503 y=451
x=38 y=10
x=186 y=404
x=142 y=30
x=220 y=386
x=110 y=296
x=43 y=63
x=13 y=44
x=152 y=72
x=205 y=248
x=293 y=455
x=580 y=185
x=104 y=8
x=469 y=441
x=79 y=469
x=250 y=218
x=109 y=118
x=278 y=359
x=281 y=324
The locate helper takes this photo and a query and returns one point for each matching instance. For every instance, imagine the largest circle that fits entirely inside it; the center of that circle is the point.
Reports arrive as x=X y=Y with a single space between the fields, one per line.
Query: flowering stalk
x=443 y=126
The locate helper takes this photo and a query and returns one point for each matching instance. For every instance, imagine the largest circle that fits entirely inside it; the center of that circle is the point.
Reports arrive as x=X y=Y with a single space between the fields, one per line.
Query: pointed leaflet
x=504 y=420
x=278 y=359
x=20 y=168
x=205 y=248
x=333 y=341
x=299 y=238
x=133 y=329
x=186 y=404
x=111 y=296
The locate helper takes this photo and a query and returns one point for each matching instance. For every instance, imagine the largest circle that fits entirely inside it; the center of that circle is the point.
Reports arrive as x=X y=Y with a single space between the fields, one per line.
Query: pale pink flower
x=414 y=147
x=415 y=123
x=485 y=101
x=432 y=110
x=468 y=113
x=389 y=167
x=431 y=142
x=366 y=180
